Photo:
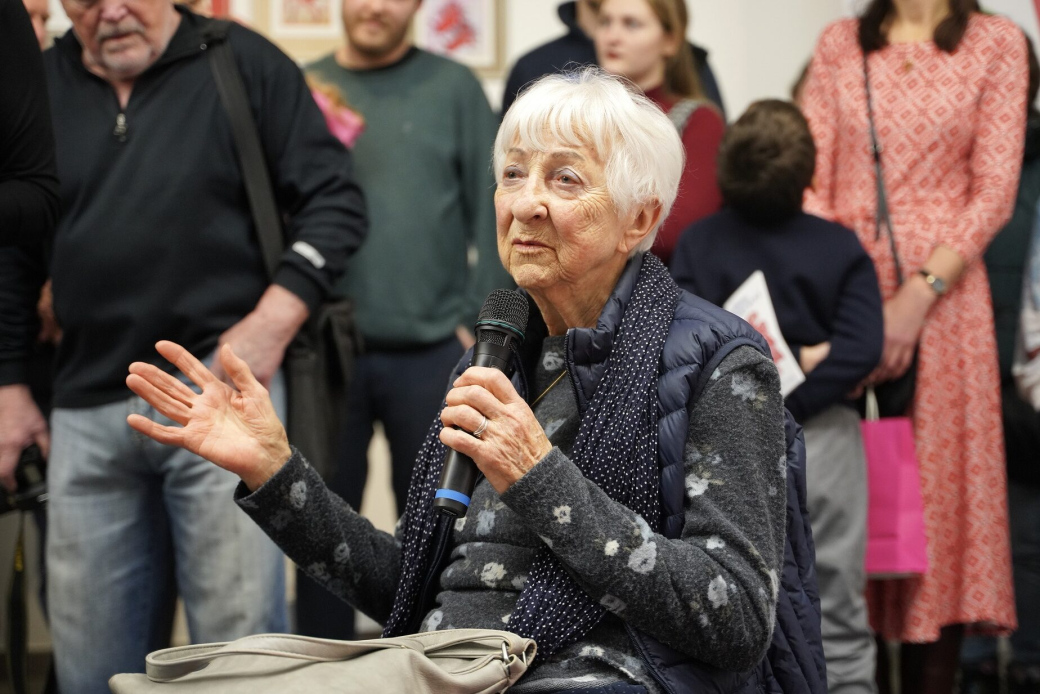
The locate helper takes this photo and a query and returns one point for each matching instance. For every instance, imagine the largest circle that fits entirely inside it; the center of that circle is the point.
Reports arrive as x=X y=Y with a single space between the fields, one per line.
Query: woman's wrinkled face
x=556 y=221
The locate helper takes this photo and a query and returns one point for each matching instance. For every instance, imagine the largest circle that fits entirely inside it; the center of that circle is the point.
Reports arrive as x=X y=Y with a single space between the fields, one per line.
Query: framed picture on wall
x=469 y=31
x=305 y=18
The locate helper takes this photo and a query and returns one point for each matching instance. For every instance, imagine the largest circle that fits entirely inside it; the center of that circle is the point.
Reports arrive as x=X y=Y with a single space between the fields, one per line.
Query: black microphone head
x=503 y=310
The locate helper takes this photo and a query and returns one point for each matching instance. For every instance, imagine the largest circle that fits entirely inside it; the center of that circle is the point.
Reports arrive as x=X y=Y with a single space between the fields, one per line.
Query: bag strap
x=871 y=411
x=882 y=215
x=17 y=616
x=250 y=151
x=173 y=663
x=680 y=114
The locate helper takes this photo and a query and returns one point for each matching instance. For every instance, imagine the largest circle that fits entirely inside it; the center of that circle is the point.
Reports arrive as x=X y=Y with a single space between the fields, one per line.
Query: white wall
x=1021 y=11
x=756 y=47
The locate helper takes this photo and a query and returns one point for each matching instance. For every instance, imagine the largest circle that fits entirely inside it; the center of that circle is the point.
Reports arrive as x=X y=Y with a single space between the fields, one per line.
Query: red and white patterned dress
x=952 y=128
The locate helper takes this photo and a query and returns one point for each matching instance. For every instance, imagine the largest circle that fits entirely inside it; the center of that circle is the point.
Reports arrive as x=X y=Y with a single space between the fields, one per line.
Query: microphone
x=499 y=330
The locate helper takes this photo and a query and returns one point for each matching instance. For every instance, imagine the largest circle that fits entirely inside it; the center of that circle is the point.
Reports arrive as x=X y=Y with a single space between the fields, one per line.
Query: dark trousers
x=404 y=390
x=1024 y=512
x=614 y=688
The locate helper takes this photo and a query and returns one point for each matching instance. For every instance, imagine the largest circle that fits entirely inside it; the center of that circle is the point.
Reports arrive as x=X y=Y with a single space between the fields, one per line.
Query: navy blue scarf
x=616 y=448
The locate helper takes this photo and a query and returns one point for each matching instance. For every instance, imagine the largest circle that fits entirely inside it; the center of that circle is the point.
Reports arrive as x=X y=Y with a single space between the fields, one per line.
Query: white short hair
x=588 y=107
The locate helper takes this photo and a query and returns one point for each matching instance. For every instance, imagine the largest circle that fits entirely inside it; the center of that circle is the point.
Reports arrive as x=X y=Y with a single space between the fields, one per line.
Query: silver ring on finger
x=481 y=429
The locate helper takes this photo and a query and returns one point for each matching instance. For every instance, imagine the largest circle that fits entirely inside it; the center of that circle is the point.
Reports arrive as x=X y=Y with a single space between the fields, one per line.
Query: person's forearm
x=21 y=424
x=712 y=593
x=283 y=313
x=29 y=196
x=856 y=343
x=946 y=264
x=328 y=539
x=657 y=585
x=313 y=181
x=831 y=382
x=28 y=210
x=21 y=276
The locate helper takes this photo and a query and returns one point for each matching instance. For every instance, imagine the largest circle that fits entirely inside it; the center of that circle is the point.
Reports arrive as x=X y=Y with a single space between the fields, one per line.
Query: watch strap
x=937 y=284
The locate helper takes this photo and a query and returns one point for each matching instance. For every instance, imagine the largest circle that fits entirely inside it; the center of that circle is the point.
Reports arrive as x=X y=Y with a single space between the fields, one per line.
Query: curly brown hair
x=766 y=161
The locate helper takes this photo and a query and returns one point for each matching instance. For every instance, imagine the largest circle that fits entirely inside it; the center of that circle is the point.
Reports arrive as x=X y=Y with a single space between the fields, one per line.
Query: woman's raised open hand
x=234 y=427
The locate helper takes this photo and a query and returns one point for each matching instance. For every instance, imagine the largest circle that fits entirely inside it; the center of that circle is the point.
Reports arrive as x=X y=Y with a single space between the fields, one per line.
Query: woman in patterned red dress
x=949 y=87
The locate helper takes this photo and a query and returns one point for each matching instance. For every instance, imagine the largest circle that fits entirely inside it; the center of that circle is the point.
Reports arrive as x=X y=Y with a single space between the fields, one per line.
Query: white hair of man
x=588 y=107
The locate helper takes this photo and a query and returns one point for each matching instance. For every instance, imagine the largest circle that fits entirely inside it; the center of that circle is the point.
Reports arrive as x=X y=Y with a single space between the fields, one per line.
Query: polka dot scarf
x=616 y=448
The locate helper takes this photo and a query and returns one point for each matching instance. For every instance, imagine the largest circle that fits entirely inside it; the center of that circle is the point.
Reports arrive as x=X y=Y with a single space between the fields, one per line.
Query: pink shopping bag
x=896 y=544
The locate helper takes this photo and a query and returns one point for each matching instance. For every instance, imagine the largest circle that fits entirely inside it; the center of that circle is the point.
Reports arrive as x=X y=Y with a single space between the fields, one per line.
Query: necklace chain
x=551 y=386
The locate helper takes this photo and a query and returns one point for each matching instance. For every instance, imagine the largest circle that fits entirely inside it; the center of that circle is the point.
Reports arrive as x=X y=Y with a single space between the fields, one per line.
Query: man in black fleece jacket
x=157 y=242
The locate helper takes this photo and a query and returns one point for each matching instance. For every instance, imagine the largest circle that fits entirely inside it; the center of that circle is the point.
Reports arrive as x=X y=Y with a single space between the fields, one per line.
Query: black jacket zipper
x=121 y=129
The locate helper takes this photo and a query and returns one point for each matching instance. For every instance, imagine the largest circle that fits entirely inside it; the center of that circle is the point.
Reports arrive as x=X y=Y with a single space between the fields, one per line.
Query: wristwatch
x=938 y=284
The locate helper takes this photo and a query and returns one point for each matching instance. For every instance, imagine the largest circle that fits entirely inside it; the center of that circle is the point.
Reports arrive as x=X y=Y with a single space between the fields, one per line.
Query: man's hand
x=260 y=339
x=21 y=424
x=465 y=337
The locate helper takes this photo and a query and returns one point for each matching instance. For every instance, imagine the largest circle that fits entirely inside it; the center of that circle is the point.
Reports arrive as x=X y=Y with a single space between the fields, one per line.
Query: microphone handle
x=459 y=474
x=458 y=477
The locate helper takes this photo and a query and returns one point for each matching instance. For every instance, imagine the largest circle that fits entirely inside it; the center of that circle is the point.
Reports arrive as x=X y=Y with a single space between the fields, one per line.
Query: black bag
x=30 y=475
x=893 y=397
x=319 y=361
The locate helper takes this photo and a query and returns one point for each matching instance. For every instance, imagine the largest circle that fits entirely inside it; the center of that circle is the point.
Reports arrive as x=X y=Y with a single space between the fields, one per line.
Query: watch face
x=936 y=283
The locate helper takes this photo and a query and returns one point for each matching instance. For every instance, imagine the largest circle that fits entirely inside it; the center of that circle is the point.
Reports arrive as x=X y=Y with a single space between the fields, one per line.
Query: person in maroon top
x=645 y=41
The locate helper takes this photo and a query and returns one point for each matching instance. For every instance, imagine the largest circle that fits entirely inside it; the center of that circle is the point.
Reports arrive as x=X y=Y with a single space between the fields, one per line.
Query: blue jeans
x=1024 y=512
x=132 y=522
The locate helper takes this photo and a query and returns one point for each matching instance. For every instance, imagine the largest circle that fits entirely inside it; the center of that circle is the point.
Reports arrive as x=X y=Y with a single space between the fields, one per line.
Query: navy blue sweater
x=822 y=284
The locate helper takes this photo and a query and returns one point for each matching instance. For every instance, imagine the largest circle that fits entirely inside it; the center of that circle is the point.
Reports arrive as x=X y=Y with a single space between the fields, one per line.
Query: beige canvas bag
x=454 y=661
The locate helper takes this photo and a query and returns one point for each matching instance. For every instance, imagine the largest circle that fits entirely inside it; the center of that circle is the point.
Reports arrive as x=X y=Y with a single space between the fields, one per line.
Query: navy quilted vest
x=700 y=337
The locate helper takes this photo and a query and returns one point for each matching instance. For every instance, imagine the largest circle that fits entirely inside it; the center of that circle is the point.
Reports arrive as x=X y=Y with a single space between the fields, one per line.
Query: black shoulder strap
x=17 y=616
x=680 y=113
x=251 y=160
x=882 y=215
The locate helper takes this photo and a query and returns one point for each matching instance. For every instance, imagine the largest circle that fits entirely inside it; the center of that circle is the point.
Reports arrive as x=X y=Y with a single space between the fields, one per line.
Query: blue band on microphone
x=453 y=495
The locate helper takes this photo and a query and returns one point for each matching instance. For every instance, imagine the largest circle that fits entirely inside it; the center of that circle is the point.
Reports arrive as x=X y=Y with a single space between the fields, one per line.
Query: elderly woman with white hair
x=631 y=501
